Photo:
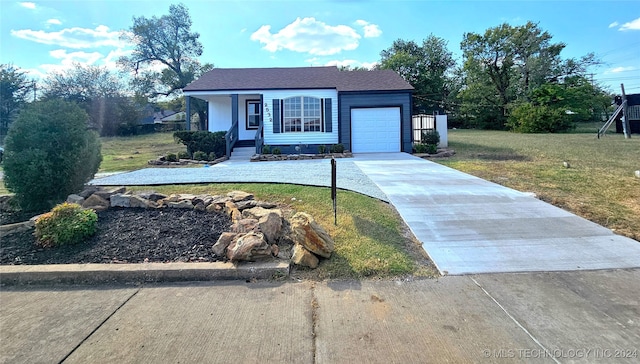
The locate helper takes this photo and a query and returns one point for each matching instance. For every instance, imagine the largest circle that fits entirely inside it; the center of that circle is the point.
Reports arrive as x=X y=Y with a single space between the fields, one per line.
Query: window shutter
x=328 y=121
x=276 y=115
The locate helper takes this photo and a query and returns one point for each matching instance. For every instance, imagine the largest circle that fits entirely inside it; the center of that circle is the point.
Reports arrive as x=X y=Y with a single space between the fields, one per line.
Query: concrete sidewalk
x=537 y=317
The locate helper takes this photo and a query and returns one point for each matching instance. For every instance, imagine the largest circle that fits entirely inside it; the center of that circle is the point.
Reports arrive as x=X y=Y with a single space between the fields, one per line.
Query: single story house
x=299 y=109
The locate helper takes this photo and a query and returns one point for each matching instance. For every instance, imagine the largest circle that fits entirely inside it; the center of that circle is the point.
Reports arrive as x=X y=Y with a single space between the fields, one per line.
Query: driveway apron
x=468 y=225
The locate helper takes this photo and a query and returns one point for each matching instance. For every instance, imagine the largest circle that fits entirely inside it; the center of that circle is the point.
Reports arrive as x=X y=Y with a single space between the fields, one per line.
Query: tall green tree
x=428 y=67
x=15 y=90
x=503 y=65
x=165 y=55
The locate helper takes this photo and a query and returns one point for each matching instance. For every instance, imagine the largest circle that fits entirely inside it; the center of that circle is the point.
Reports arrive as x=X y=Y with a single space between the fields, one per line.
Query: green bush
x=322 y=149
x=266 y=149
x=529 y=118
x=204 y=141
x=66 y=224
x=49 y=154
x=212 y=156
x=200 y=156
x=431 y=137
x=337 y=148
x=432 y=148
x=183 y=155
x=420 y=148
x=171 y=157
x=276 y=151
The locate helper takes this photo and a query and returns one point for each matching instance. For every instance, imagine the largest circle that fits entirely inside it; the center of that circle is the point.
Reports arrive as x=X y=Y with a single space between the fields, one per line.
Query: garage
x=375 y=130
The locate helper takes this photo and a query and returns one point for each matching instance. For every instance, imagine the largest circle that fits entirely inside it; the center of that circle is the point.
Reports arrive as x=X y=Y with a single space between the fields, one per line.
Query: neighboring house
x=633 y=114
x=168 y=115
x=366 y=111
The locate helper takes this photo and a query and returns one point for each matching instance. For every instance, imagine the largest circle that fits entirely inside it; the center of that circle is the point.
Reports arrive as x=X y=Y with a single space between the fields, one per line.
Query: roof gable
x=230 y=79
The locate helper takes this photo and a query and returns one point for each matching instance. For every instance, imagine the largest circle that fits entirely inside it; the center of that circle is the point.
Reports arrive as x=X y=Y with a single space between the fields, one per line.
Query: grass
x=131 y=153
x=370 y=239
x=599 y=185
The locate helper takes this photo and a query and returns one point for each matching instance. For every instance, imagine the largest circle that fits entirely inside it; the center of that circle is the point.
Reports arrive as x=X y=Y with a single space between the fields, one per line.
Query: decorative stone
x=9 y=229
x=266 y=205
x=214 y=207
x=269 y=221
x=302 y=256
x=106 y=194
x=243 y=226
x=231 y=210
x=88 y=191
x=200 y=207
x=250 y=246
x=275 y=250
x=120 y=200
x=96 y=203
x=243 y=205
x=180 y=205
x=73 y=198
x=137 y=201
x=223 y=242
x=237 y=196
x=306 y=232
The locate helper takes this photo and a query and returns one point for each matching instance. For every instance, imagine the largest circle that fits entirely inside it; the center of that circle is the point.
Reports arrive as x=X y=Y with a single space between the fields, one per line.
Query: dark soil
x=129 y=236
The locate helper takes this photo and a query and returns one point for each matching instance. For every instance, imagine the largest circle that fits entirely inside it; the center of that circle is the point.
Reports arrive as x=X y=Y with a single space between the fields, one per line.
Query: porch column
x=234 y=109
x=188 y=111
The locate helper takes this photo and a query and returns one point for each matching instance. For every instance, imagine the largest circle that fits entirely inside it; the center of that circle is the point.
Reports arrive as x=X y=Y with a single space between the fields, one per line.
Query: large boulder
x=302 y=256
x=77 y=199
x=137 y=201
x=249 y=246
x=232 y=211
x=269 y=221
x=223 y=242
x=306 y=232
x=120 y=200
x=237 y=196
x=243 y=226
x=107 y=193
x=95 y=202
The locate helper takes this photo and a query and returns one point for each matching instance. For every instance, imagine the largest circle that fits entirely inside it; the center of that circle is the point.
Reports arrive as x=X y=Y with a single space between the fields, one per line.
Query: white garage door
x=375 y=130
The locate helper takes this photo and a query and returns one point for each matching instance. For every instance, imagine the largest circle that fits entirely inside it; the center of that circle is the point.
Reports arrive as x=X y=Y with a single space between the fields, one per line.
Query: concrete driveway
x=467 y=225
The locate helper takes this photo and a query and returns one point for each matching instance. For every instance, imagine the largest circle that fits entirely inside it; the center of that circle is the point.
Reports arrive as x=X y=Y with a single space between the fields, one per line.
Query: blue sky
x=48 y=36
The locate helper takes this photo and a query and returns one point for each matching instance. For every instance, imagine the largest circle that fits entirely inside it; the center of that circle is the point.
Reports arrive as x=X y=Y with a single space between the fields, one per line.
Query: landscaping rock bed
x=152 y=227
x=442 y=153
x=295 y=157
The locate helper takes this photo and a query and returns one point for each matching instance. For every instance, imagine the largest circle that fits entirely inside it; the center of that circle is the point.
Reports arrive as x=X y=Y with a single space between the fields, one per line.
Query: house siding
x=274 y=138
x=350 y=100
x=220 y=113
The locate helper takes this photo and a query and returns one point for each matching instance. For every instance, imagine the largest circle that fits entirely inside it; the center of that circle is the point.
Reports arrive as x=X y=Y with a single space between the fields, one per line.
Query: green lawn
x=131 y=153
x=599 y=185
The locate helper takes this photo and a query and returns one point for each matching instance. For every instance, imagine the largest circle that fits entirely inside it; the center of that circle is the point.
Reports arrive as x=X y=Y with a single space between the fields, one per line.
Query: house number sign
x=267 y=112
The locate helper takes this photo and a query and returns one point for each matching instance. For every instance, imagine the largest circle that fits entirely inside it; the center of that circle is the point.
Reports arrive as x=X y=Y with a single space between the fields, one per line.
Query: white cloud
x=614 y=24
x=308 y=35
x=351 y=63
x=54 y=22
x=370 y=30
x=621 y=69
x=28 y=5
x=632 y=25
x=77 y=38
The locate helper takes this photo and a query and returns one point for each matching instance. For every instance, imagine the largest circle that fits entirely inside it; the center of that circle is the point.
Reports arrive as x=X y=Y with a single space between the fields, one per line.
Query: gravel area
x=303 y=172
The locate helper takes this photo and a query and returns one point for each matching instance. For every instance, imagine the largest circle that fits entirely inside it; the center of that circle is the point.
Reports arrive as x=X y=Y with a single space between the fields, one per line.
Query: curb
x=139 y=273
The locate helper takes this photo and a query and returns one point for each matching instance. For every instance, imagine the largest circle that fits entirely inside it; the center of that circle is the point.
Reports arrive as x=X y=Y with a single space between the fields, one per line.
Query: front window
x=302 y=114
x=253 y=114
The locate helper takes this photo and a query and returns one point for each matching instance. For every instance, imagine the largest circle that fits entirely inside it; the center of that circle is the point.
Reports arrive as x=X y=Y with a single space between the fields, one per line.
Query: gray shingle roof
x=229 y=79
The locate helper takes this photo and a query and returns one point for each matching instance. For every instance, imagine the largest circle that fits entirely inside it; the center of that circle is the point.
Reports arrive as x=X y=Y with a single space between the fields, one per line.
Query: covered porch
x=239 y=115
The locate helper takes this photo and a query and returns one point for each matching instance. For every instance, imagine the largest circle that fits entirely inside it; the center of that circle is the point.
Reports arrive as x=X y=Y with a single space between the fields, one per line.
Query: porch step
x=243 y=153
x=245 y=143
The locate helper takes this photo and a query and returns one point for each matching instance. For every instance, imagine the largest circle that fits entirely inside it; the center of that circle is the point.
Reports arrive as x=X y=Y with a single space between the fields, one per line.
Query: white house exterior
x=366 y=111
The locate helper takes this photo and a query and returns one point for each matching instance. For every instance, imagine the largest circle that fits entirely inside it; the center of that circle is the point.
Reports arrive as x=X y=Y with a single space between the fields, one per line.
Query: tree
x=164 y=59
x=15 y=89
x=504 y=64
x=95 y=89
x=49 y=154
x=427 y=67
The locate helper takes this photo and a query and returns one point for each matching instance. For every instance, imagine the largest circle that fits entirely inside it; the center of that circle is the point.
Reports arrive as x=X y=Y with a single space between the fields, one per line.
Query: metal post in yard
x=334 y=193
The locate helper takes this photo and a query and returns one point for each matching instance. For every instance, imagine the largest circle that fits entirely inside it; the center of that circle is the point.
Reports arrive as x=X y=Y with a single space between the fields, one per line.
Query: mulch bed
x=129 y=236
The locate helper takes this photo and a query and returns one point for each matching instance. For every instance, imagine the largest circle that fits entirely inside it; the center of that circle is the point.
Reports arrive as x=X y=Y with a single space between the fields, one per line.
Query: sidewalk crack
x=516 y=322
x=314 y=320
x=99 y=326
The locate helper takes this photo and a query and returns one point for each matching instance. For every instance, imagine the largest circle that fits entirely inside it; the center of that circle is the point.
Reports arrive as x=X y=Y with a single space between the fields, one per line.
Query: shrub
x=322 y=149
x=266 y=149
x=183 y=155
x=431 y=148
x=66 y=224
x=337 y=148
x=204 y=141
x=171 y=157
x=49 y=154
x=200 y=156
x=212 y=156
x=276 y=151
x=420 y=148
x=431 y=137
x=529 y=118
